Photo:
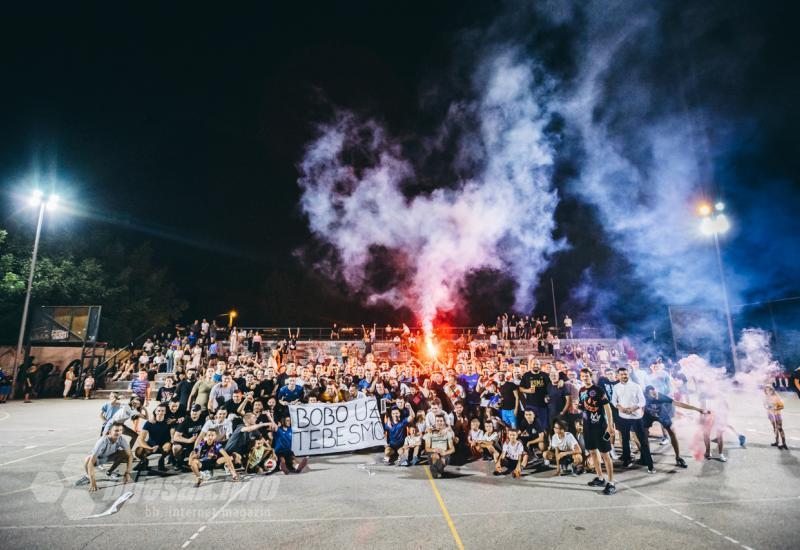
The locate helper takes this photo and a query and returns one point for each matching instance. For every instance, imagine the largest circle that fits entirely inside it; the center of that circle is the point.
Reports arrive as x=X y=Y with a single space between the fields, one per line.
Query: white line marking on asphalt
x=48 y=451
x=7 y=415
x=201 y=524
x=214 y=516
x=734 y=541
x=701 y=524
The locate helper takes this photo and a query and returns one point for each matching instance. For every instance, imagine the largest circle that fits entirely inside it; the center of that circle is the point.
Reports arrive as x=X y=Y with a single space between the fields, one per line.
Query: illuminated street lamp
x=231 y=316
x=49 y=202
x=715 y=223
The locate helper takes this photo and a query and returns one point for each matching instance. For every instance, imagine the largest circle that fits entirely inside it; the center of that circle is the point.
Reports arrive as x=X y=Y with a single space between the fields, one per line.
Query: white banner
x=323 y=428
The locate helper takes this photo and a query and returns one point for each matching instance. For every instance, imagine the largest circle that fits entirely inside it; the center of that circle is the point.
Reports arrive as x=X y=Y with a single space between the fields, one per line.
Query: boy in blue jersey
x=282 y=443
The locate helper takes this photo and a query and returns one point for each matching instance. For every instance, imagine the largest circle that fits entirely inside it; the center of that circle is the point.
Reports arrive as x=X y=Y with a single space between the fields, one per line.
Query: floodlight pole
x=18 y=352
x=727 y=304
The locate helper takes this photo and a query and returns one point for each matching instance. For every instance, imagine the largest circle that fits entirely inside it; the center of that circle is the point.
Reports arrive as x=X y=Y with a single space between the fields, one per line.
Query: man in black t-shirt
x=184 y=436
x=531 y=433
x=155 y=438
x=596 y=430
x=510 y=402
x=534 y=385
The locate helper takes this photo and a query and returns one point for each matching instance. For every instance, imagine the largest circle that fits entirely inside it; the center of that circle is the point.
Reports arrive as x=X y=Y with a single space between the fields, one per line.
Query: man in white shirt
x=629 y=400
x=567 y=327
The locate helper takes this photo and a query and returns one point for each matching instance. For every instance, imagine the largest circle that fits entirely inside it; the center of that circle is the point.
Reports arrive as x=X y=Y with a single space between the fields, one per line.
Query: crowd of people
x=225 y=405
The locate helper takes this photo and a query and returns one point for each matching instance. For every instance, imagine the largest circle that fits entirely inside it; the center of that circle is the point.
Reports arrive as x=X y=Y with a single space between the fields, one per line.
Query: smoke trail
x=500 y=218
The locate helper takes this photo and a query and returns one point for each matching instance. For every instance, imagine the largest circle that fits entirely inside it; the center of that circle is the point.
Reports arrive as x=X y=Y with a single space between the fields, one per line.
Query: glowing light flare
x=718 y=224
x=430 y=346
x=704 y=209
x=52 y=202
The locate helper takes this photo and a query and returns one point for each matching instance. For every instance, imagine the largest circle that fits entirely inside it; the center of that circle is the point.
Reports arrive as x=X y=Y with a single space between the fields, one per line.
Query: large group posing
x=224 y=405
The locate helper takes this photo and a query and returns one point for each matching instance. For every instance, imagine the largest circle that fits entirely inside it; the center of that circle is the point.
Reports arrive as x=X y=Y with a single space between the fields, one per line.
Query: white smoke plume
x=643 y=167
x=500 y=218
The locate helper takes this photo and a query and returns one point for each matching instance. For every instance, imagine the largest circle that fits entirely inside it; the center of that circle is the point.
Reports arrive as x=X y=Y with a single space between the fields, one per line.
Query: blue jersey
x=396 y=432
x=282 y=440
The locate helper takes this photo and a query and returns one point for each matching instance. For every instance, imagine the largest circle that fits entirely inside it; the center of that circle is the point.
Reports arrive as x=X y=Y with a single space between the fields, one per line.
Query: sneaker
x=546 y=463
x=651 y=470
x=742 y=440
x=680 y=462
x=664 y=441
x=722 y=458
x=387 y=460
x=610 y=489
x=613 y=454
x=82 y=481
x=206 y=475
x=301 y=465
x=414 y=461
x=596 y=482
x=775 y=445
x=627 y=464
x=403 y=462
x=113 y=475
x=784 y=447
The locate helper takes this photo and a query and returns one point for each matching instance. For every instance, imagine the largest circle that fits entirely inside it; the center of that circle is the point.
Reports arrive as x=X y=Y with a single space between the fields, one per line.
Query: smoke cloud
x=500 y=218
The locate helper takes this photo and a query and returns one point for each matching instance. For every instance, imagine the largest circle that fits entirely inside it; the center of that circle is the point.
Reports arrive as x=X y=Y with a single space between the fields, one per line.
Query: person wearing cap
x=108 y=409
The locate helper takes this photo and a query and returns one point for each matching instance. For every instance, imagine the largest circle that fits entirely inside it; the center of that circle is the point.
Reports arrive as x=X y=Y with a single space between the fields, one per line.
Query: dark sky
x=188 y=122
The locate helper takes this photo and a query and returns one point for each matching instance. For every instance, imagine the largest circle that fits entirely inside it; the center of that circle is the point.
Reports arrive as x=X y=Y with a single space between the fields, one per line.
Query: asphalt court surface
x=351 y=500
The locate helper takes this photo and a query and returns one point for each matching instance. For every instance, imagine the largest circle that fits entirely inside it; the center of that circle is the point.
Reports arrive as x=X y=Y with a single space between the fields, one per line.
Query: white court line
x=214 y=516
x=701 y=524
x=7 y=416
x=48 y=451
x=393 y=517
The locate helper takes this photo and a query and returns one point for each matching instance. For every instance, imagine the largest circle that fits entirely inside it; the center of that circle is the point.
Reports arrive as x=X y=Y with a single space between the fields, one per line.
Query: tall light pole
x=37 y=199
x=714 y=223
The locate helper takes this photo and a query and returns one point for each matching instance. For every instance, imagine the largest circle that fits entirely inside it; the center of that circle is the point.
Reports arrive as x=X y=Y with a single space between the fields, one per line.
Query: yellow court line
x=446 y=514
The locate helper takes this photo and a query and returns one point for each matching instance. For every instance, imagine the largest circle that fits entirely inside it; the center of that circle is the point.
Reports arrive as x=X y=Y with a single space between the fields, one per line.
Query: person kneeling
x=439 y=446
x=513 y=458
x=564 y=450
x=207 y=455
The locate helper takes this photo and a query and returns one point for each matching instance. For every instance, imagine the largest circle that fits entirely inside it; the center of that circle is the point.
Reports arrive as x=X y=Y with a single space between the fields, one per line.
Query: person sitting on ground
x=283 y=448
x=564 y=450
x=155 y=438
x=261 y=459
x=409 y=452
x=439 y=446
x=207 y=455
x=513 y=458
x=110 y=448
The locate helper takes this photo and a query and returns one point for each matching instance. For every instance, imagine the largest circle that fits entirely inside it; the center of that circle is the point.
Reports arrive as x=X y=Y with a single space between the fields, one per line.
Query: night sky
x=184 y=126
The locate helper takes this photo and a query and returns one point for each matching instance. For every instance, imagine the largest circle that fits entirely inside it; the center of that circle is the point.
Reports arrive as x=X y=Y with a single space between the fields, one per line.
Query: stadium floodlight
x=716 y=224
x=43 y=202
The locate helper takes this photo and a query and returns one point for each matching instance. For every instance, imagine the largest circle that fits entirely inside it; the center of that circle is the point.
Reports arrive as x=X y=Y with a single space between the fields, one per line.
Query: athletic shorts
x=208 y=465
x=593 y=438
x=649 y=420
x=509 y=418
